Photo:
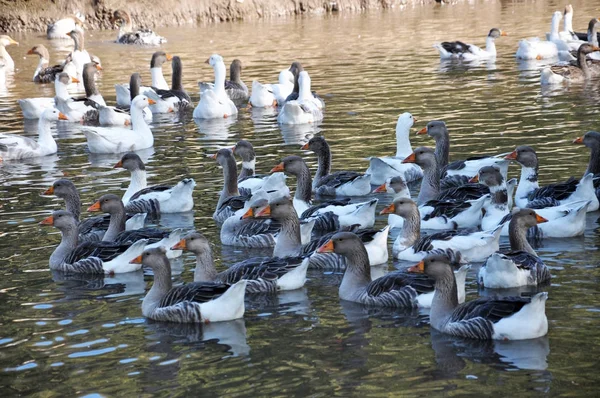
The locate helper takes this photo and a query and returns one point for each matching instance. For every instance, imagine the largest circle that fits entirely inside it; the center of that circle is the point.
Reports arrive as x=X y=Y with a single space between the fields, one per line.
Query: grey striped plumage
x=149 y=206
x=90 y=265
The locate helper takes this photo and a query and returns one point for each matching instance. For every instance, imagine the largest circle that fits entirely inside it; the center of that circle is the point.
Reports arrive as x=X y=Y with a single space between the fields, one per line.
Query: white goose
x=215 y=103
x=470 y=52
x=158 y=80
x=32 y=108
x=119 y=139
x=61 y=28
x=79 y=56
x=306 y=109
x=5 y=41
x=534 y=48
x=15 y=147
x=383 y=168
x=267 y=95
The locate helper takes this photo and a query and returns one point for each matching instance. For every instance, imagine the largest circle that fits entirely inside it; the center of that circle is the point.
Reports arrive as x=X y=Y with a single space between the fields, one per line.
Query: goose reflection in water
x=298 y=134
x=118 y=285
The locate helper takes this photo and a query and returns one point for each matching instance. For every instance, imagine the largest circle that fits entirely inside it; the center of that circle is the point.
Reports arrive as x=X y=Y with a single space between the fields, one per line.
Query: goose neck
x=89 y=83
x=527 y=182
x=45 y=138
x=490 y=45
x=442 y=149
x=41 y=66
x=357 y=275
x=445 y=299
x=324 y=164
x=411 y=230
x=430 y=185
x=161 y=286
x=219 y=78
x=205 y=267
x=138 y=182
x=304 y=187
x=517 y=235
x=67 y=245
x=8 y=61
x=73 y=204
x=403 y=146
x=176 y=77
x=158 y=79
x=289 y=241
x=116 y=224
x=594 y=163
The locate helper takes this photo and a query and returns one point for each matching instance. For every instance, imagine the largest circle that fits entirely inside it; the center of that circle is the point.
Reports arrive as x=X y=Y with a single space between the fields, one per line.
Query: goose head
x=6 y=41
x=489 y=176
x=395 y=184
x=403 y=207
x=39 y=50
x=52 y=114
x=526 y=218
x=159 y=58
x=131 y=162
x=591 y=139
x=61 y=188
x=524 y=155
x=256 y=205
x=215 y=60
x=317 y=144
x=245 y=150
x=224 y=156
x=62 y=220
x=405 y=122
x=155 y=258
x=342 y=243
x=120 y=17
x=194 y=242
x=435 y=265
x=141 y=101
x=291 y=165
x=278 y=209
x=286 y=77
x=423 y=156
x=587 y=48
x=108 y=203
x=496 y=33
x=435 y=129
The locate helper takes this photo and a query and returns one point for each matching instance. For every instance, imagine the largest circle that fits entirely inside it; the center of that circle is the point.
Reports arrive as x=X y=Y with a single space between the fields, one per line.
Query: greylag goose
x=16 y=147
x=6 y=41
x=296 y=68
x=344 y=183
x=470 y=52
x=248 y=179
x=124 y=96
x=60 y=29
x=89 y=257
x=157 y=198
x=264 y=274
x=174 y=99
x=231 y=198
x=305 y=109
x=383 y=168
x=521 y=266
x=398 y=187
x=529 y=194
x=397 y=289
x=591 y=139
x=117 y=232
x=215 y=103
x=486 y=318
x=589 y=35
x=558 y=74
x=79 y=56
x=44 y=73
x=127 y=35
x=197 y=302
x=411 y=246
x=235 y=88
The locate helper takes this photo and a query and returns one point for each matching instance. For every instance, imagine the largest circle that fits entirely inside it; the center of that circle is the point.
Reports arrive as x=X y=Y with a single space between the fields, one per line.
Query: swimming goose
x=92 y=228
x=215 y=103
x=534 y=48
x=390 y=166
x=591 y=139
x=486 y=318
x=197 y=302
x=127 y=35
x=562 y=221
x=305 y=109
x=264 y=274
x=44 y=73
x=235 y=88
x=593 y=39
x=330 y=215
x=135 y=82
x=589 y=35
x=60 y=29
x=231 y=198
x=80 y=110
x=410 y=245
x=124 y=96
x=397 y=289
x=5 y=41
x=89 y=257
x=529 y=194
x=120 y=139
x=296 y=69
x=248 y=179
x=163 y=198
x=79 y=56
x=174 y=99
x=344 y=183
x=469 y=52
x=267 y=95
x=521 y=266
x=558 y=74
x=430 y=185
x=397 y=186
x=16 y=147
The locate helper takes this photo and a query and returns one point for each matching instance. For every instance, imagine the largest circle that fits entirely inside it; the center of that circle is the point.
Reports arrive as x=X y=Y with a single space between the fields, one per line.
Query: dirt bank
x=34 y=15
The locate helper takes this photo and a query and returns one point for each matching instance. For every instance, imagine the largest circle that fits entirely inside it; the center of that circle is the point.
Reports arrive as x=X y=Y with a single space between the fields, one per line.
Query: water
x=87 y=336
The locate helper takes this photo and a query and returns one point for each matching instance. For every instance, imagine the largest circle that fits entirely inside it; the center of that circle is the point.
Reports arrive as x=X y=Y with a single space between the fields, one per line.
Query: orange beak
x=422 y=131
x=30 y=52
x=62 y=116
x=119 y=164
x=248 y=214
x=181 y=245
x=381 y=188
x=475 y=178
x=415 y=119
x=47 y=221
x=74 y=80
x=389 y=209
x=511 y=156
x=94 y=207
x=277 y=168
x=151 y=102
x=305 y=147
x=214 y=156
x=412 y=158
x=49 y=191
x=137 y=260
x=578 y=140
x=503 y=33
x=418 y=268
x=539 y=57
x=327 y=247
x=264 y=213
x=169 y=57
x=540 y=219
x=595 y=48
x=98 y=67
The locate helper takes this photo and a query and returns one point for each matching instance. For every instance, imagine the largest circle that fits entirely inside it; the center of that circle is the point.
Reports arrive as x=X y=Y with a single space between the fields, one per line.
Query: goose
x=330 y=215
x=593 y=39
x=344 y=183
x=486 y=318
x=176 y=97
x=469 y=52
x=231 y=198
x=80 y=110
x=588 y=35
x=44 y=73
x=296 y=69
x=236 y=89
x=529 y=193
x=89 y=257
x=521 y=266
x=398 y=187
x=16 y=147
x=564 y=47
x=197 y=302
x=120 y=139
x=5 y=41
x=561 y=221
x=135 y=82
x=591 y=139
x=117 y=232
x=305 y=109
x=79 y=56
x=60 y=29
x=397 y=289
x=127 y=35
x=248 y=179
x=264 y=274
x=215 y=103
x=534 y=48
x=390 y=166
x=559 y=74
x=567 y=33
x=124 y=96
x=165 y=198
x=92 y=228
x=267 y=95
x=411 y=246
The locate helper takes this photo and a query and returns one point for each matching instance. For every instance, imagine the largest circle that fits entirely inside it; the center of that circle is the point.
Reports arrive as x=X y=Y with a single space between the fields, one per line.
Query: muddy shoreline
x=35 y=15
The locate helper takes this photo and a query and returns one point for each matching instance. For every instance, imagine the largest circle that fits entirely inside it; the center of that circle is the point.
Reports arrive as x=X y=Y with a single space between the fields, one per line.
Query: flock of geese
x=471 y=203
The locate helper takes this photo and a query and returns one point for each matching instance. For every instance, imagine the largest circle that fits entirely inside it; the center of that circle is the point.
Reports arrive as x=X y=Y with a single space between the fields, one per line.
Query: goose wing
x=199 y=292
x=425 y=242
x=470 y=191
x=148 y=190
x=397 y=280
x=456 y=47
x=558 y=191
x=338 y=178
x=105 y=251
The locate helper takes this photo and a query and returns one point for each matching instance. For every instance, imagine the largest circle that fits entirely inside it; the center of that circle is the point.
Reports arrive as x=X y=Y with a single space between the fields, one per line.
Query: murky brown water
x=78 y=337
